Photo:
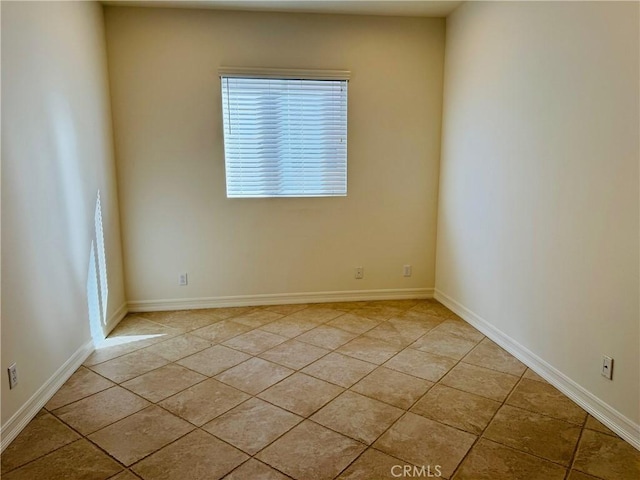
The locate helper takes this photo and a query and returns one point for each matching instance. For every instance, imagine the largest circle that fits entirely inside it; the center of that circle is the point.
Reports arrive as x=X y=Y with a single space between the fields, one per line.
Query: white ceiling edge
x=404 y=8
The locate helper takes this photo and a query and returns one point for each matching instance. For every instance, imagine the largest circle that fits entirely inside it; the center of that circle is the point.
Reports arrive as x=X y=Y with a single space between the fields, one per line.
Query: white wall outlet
x=406 y=270
x=359 y=273
x=13 y=376
x=182 y=279
x=607 y=367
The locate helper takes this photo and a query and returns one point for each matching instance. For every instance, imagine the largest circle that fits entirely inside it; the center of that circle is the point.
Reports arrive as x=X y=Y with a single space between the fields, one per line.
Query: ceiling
x=410 y=8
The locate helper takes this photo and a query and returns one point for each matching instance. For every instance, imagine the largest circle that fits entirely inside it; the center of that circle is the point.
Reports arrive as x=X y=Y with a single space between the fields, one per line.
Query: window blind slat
x=285 y=137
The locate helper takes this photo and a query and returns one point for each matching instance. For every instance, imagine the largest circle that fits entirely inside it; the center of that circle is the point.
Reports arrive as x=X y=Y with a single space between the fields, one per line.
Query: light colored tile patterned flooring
x=361 y=390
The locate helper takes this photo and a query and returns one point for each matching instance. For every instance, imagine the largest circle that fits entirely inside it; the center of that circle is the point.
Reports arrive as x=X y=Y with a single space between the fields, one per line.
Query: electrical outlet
x=13 y=376
x=607 y=367
x=182 y=279
x=406 y=270
x=359 y=273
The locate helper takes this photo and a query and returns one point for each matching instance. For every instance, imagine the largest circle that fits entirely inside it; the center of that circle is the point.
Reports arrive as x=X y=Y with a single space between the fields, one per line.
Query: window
x=285 y=133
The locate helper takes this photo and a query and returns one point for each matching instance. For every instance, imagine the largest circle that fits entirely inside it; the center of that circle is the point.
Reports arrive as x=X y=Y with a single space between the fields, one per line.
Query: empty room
x=317 y=240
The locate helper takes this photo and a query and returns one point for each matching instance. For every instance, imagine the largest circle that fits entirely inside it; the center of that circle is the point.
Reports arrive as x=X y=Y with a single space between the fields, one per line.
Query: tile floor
x=362 y=390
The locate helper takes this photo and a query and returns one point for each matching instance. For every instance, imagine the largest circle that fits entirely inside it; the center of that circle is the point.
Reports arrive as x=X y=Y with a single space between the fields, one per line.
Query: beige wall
x=167 y=119
x=538 y=216
x=56 y=155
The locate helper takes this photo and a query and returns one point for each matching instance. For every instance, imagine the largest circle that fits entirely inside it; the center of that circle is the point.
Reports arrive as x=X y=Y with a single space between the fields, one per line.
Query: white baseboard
x=115 y=319
x=278 y=298
x=25 y=414
x=619 y=423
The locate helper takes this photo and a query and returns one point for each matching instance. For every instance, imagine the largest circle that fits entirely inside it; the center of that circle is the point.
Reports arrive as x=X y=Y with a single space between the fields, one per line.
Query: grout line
x=577 y=445
x=481 y=435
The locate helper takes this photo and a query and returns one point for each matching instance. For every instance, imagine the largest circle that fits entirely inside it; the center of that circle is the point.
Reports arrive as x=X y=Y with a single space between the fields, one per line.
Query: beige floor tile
x=221 y=331
x=257 y=318
x=255 y=342
x=179 y=347
x=419 y=321
x=163 y=382
x=255 y=470
x=481 y=381
x=184 y=320
x=543 y=398
x=595 y=424
x=41 y=412
x=420 y=441
x=252 y=425
x=136 y=325
x=213 y=360
x=378 y=312
x=286 y=309
x=254 y=375
x=289 y=328
x=461 y=329
x=576 y=475
x=402 y=304
x=421 y=364
x=344 y=306
x=125 y=475
x=319 y=314
x=132 y=333
x=531 y=375
x=101 y=409
x=326 y=337
x=489 y=355
x=433 y=307
x=456 y=408
x=425 y=319
x=373 y=464
x=108 y=350
x=339 y=369
x=395 y=388
x=225 y=312
x=444 y=344
x=196 y=456
x=294 y=354
x=141 y=434
x=78 y=460
x=129 y=366
x=532 y=433
x=311 y=452
x=607 y=457
x=42 y=435
x=359 y=417
x=491 y=461
x=301 y=394
x=369 y=349
x=398 y=332
x=81 y=384
x=204 y=401
x=353 y=323
x=154 y=316
x=166 y=315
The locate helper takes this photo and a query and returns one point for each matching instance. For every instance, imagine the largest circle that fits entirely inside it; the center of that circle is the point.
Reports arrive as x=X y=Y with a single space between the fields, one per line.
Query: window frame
x=226 y=73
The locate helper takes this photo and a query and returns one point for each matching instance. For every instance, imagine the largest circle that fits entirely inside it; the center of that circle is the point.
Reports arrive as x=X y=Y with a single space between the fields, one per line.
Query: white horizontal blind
x=285 y=137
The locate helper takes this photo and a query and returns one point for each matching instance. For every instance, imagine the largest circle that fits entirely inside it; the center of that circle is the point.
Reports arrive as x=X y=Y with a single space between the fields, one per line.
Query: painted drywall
x=56 y=155
x=538 y=220
x=163 y=66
